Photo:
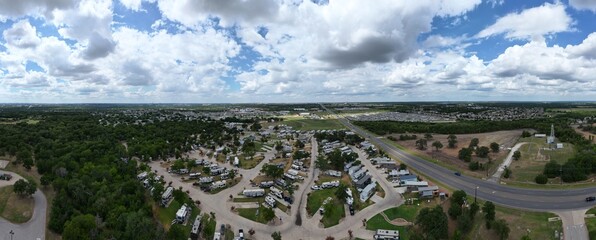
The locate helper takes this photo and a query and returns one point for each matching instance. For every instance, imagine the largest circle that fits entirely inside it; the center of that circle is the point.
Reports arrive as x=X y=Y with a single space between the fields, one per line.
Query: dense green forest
x=92 y=172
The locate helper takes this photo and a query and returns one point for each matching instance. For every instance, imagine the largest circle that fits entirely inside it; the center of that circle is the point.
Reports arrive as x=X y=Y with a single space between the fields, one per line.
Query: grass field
x=535 y=224
x=407 y=212
x=534 y=157
x=166 y=215
x=14 y=208
x=337 y=213
x=251 y=214
x=313 y=124
x=209 y=225
x=250 y=163
x=316 y=198
x=591 y=224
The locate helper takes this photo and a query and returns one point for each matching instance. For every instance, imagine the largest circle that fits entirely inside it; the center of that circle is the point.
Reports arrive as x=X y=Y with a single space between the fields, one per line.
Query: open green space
x=250 y=163
x=534 y=224
x=534 y=155
x=591 y=224
x=407 y=212
x=13 y=207
x=247 y=199
x=315 y=199
x=166 y=215
x=378 y=222
x=209 y=224
x=313 y=124
x=251 y=214
x=332 y=217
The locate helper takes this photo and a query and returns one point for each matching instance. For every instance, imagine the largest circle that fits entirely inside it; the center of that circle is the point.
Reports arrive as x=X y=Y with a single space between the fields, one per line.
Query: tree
x=272 y=171
x=276 y=236
x=541 y=179
x=502 y=228
x=428 y=136
x=516 y=155
x=45 y=180
x=507 y=172
x=474 y=166
x=322 y=163
x=176 y=232
x=299 y=144
x=473 y=210
x=482 y=151
x=24 y=188
x=433 y=223
x=437 y=145
x=452 y=141
x=459 y=197
x=526 y=134
x=80 y=227
x=402 y=166
x=494 y=147
x=474 y=142
x=455 y=210
x=464 y=222
x=267 y=213
x=28 y=163
x=552 y=169
x=178 y=164
x=489 y=213
x=526 y=237
x=340 y=193
x=421 y=144
x=465 y=154
x=157 y=192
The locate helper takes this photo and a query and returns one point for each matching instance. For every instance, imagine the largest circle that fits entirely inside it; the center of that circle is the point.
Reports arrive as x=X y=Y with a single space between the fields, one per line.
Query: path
x=396 y=222
x=574 y=224
x=35 y=228
x=497 y=176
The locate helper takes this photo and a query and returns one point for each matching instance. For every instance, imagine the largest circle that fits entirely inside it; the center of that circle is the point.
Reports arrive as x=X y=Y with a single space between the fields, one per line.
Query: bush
x=507 y=173
x=541 y=179
x=474 y=166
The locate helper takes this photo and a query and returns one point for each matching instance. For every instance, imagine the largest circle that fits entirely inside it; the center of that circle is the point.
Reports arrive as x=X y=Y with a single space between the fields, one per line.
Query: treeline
x=564 y=132
x=93 y=174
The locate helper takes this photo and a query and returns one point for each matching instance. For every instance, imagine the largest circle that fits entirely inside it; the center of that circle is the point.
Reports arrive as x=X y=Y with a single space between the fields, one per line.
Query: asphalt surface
x=530 y=199
x=35 y=228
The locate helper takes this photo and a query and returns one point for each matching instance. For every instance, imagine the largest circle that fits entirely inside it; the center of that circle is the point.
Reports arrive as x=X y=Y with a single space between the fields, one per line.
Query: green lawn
x=249 y=163
x=313 y=124
x=591 y=224
x=247 y=199
x=407 y=212
x=13 y=207
x=337 y=213
x=378 y=222
x=251 y=214
x=316 y=198
x=534 y=157
x=209 y=225
x=166 y=215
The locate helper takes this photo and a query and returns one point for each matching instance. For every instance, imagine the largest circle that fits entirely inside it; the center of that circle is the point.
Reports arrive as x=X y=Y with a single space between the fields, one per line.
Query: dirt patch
x=585 y=134
x=449 y=156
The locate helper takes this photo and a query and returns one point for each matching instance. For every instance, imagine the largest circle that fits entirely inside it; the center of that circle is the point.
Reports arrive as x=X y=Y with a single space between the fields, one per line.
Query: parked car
x=315 y=187
x=241 y=233
x=590 y=199
x=351 y=210
x=5 y=176
x=457 y=174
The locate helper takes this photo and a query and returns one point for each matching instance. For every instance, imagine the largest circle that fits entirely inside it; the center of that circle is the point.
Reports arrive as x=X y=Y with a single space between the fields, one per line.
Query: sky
x=260 y=51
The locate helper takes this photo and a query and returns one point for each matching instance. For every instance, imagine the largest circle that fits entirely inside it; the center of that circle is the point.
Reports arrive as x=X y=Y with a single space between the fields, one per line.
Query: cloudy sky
x=195 y=51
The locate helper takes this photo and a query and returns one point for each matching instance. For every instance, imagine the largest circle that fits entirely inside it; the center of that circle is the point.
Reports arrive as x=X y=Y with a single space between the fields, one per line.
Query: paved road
x=530 y=199
x=35 y=228
x=497 y=176
x=574 y=224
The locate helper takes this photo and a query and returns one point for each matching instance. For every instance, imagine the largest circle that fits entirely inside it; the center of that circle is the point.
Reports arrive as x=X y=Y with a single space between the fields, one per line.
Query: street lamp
x=11 y=233
x=475 y=193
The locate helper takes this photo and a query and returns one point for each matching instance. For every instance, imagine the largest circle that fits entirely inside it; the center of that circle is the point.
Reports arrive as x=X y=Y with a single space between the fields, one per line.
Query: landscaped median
x=15 y=208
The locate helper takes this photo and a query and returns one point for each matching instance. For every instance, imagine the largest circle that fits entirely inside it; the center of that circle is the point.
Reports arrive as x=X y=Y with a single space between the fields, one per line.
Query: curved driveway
x=531 y=199
x=35 y=228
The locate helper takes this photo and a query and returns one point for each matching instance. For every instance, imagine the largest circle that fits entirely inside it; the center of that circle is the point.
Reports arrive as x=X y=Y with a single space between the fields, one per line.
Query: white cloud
x=531 y=23
x=583 y=4
x=21 y=35
x=134 y=5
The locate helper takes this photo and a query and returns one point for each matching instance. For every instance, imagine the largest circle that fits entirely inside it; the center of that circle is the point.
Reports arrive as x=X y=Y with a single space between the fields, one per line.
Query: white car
x=315 y=187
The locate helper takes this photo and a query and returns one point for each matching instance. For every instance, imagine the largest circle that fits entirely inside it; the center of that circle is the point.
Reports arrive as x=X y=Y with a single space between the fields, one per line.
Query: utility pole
x=475 y=194
x=561 y=173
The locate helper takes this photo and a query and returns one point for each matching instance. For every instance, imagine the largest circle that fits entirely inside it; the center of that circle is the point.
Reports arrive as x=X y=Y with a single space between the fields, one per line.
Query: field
x=534 y=224
x=251 y=213
x=591 y=224
x=300 y=123
x=405 y=212
x=448 y=156
x=14 y=208
x=166 y=215
x=316 y=198
x=534 y=156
